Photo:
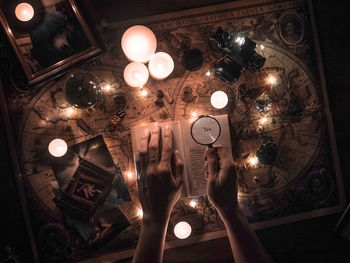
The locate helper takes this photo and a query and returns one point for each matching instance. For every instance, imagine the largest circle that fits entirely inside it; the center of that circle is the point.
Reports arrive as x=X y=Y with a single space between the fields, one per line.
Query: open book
x=192 y=153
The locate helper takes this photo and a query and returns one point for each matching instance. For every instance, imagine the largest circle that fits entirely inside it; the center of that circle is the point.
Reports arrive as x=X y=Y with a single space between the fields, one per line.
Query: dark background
x=310 y=240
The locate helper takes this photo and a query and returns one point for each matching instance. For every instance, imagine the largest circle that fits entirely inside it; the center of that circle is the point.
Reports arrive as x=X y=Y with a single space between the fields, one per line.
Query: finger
x=225 y=157
x=154 y=145
x=141 y=157
x=144 y=142
x=179 y=168
x=205 y=154
x=212 y=160
x=167 y=145
x=222 y=152
x=141 y=164
x=206 y=172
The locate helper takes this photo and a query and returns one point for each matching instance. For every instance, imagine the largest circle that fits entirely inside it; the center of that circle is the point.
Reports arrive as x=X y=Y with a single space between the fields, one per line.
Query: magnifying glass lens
x=205 y=130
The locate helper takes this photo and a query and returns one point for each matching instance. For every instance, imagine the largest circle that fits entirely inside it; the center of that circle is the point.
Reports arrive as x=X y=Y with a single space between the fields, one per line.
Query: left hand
x=160 y=180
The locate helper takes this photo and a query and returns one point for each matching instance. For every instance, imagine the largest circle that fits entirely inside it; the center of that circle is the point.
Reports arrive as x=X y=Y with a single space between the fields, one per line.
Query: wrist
x=229 y=213
x=150 y=219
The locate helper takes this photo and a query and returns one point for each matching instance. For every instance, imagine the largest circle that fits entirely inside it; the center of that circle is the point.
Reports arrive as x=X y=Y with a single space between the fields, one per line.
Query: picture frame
x=55 y=39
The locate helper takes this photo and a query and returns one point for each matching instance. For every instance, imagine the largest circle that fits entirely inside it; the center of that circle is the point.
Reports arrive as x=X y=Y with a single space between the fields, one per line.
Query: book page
x=138 y=131
x=194 y=154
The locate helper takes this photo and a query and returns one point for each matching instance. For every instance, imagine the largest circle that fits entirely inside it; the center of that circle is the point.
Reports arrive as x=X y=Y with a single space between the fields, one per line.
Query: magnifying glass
x=205 y=130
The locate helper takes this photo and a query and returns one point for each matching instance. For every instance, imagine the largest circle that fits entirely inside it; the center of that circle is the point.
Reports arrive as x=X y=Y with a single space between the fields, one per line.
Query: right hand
x=221 y=187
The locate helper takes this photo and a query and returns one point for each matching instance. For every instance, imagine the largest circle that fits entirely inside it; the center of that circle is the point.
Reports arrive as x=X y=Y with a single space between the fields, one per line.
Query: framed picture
x=48 y=37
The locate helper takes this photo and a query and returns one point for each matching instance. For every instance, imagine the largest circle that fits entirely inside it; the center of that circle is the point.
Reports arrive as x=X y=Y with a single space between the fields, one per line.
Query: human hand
x=221 y=187
x=159 y=179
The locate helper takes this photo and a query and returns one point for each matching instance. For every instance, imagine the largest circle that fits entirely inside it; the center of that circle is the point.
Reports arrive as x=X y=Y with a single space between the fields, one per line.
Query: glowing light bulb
x=160 y=65
x=194 y=114
x=144 y=93
x=139 y=43
x=272 y=80
x=262 y=47
x=193 y=203
x=24 y=12
x=135 y=74
x=182 y=230
x=57 y=147
x=129 y=175
x=70 y=111
x=263 y=120
x=253 y=161
x=140 y=213
x=219 y=99
x=208 y=73
x=107 y=87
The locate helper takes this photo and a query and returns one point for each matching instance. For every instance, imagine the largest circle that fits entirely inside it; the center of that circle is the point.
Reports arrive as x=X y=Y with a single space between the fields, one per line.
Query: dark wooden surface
x=305 y=241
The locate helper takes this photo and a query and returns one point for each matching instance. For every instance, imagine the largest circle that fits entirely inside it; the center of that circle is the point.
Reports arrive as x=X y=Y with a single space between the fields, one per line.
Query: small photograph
x=291 y=28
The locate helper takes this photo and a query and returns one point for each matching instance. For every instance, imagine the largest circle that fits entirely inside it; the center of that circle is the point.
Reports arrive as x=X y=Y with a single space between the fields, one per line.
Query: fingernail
x=167 y=130
x=156 y=126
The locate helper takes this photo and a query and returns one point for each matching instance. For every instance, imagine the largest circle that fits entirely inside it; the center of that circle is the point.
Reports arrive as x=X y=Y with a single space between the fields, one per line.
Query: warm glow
x=219 y=99
x=57 y=147
x=160 y=65
x=253 y=161
x=129 y=175
x=144 y=93
x=194 y=114
x=139 y=43
x=24 y=12
x=263 y=120
x=106 y=87
x=208 y=73
x=272 y=80
x=182 y=230
x=262 y=47
x=140 y=213
x=70 y=111
x=193 y=203
x=135 y=74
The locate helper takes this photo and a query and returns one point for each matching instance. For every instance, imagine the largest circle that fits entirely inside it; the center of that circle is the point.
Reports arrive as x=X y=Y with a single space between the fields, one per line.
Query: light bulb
x=193 y=203
x=57 y=147
x=136 y=74
x=253 y=161
x=129 y=175
x=139 y=43
x=24 y=12
x=263 y=120
x=272 y=80
x=160 y=65
x=219 y=99
x=182 y=230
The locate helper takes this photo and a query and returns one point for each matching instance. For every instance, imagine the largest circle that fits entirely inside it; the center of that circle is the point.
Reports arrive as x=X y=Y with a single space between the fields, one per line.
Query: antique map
x=301 y=182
